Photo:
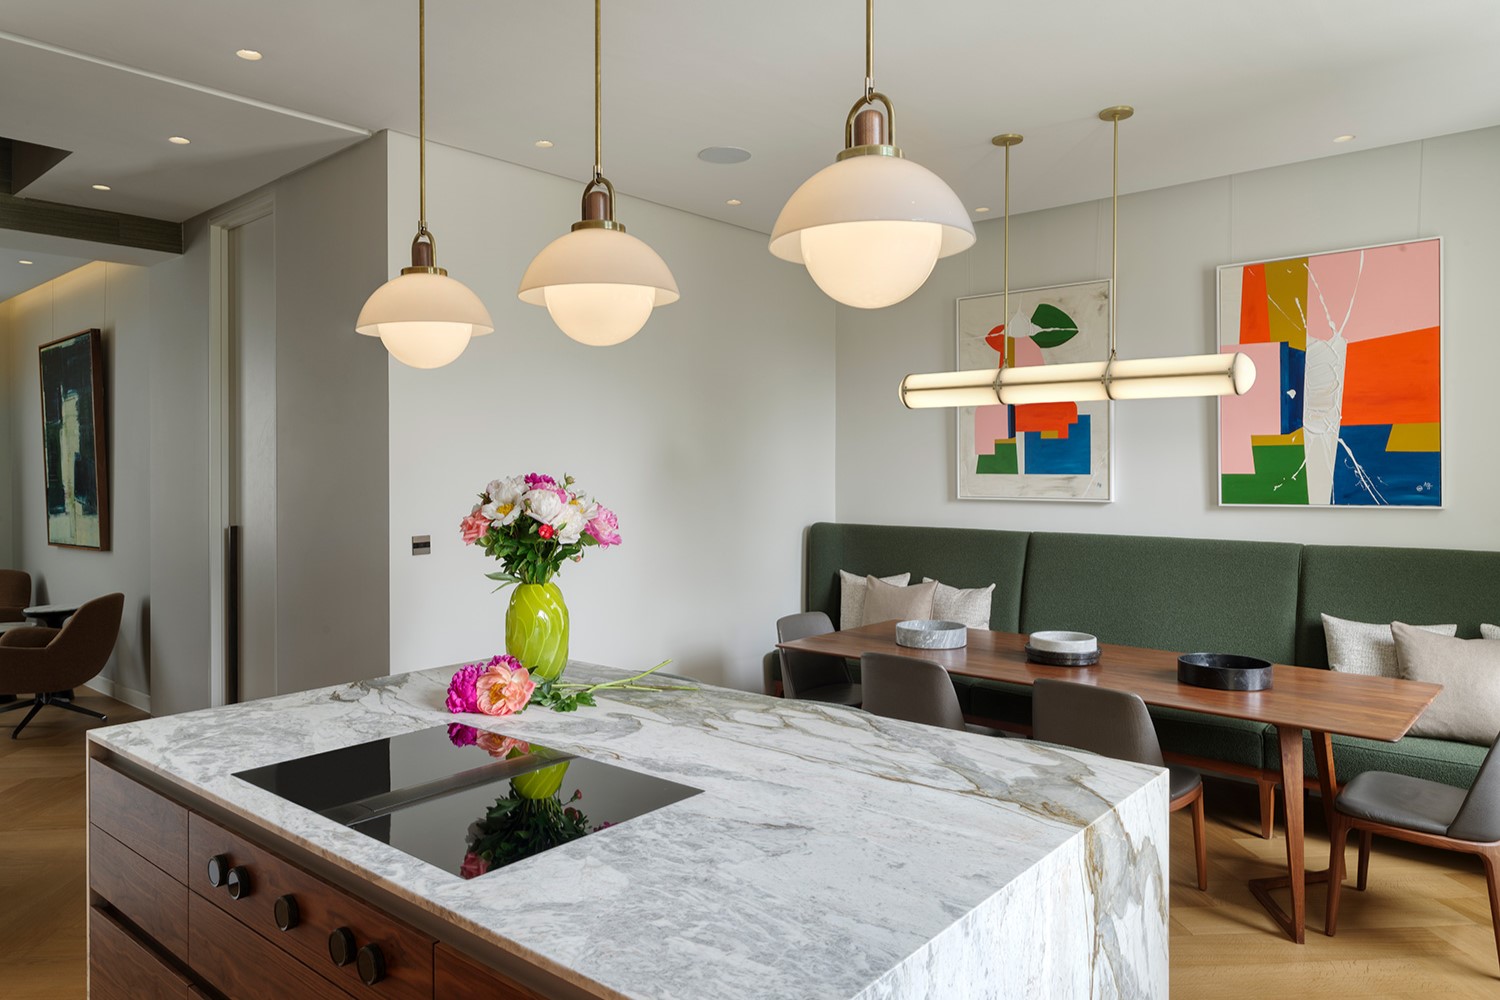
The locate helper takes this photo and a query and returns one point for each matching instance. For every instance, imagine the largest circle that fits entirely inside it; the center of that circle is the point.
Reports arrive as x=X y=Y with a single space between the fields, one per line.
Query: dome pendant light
x=423 y=317
x=1149 y=378
x=598 y=282
x=871 y=227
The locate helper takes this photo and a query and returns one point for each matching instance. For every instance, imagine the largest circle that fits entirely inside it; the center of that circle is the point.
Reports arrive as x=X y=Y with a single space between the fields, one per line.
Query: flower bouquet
x=532 y=524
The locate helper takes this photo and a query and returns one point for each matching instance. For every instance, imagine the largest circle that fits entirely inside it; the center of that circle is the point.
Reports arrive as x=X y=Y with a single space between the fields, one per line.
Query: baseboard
x=119 y=692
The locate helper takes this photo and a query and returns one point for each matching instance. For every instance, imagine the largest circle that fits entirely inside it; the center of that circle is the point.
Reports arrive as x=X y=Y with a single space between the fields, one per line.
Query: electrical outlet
x=421 y=545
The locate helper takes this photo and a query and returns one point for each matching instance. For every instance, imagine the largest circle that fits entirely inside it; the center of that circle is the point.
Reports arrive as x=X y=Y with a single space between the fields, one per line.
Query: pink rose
x=504 y=690
x=604 y=527
x=472 y=528
x=473 y=866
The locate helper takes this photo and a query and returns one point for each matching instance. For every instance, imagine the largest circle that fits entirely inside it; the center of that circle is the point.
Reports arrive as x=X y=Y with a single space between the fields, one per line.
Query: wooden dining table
x=1323 y=702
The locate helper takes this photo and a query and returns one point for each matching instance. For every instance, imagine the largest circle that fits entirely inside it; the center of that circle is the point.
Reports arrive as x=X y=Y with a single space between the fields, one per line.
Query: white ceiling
x=1220 y=88
x=16 y=277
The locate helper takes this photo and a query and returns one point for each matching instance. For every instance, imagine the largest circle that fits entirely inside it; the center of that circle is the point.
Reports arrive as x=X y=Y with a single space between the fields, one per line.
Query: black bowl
x=1224 y=671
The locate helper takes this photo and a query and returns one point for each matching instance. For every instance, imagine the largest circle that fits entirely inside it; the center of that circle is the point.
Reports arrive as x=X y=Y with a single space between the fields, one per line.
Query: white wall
x=10 y=482
x=897 y=466
x=116 y=299
x=710 y=432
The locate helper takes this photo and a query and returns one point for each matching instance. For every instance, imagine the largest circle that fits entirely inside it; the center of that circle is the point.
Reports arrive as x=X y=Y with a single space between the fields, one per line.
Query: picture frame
x=75 y=441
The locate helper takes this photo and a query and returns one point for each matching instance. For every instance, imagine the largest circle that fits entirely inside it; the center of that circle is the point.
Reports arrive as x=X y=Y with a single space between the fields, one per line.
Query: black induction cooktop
x=466 y=800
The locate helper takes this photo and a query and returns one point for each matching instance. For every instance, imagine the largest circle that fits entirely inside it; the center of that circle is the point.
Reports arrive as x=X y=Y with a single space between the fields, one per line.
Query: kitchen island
x=824 y=852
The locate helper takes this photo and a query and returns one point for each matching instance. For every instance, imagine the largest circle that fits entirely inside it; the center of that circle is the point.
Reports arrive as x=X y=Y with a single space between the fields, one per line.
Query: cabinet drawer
x=152 y=826
x=321 y=909
x=122 y=968
x=244 y=966
x=458 y=977
x=147 y=896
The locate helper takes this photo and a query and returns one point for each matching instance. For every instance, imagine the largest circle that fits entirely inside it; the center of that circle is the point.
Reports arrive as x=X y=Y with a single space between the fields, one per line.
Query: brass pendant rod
x=1114 y=240
x=598 y=96
x=869 y=48
x=1006 y=266
x=422 y=113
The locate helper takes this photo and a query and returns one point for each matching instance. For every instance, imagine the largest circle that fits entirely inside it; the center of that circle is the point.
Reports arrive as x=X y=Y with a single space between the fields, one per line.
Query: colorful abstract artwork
x=1347 y=408
x=1038 y=451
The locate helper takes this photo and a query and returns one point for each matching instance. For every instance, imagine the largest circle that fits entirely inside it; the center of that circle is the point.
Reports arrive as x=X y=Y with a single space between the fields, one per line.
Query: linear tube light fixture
x=1112 y=378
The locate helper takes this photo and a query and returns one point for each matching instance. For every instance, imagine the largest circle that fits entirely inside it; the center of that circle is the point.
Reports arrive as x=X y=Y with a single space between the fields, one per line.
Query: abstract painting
x=1347 y=407
x=1035 y=451
x=74 y=441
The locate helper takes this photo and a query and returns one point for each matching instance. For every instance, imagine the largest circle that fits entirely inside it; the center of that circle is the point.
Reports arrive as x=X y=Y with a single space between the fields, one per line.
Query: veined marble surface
x=832 y=854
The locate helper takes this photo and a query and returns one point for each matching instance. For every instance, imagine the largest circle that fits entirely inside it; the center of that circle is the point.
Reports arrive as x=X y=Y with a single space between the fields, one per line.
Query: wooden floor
x=1422 y=930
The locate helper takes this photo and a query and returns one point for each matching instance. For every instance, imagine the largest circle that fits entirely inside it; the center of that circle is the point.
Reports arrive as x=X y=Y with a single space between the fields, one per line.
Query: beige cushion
x=1468 y=707
x=952 y=604
x=1367 y=648
x=852 y=597
x=1489 y=631
x=884 y=601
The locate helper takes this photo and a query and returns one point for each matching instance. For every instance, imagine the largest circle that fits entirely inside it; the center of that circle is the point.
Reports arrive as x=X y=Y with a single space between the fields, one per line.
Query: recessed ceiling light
x=249 y=55
x=1343 y=138
x=101 y=187
x=734 y=201
x=25 y=262
x=178 y=140
x=543 y=144
x=723 y=154
x=981 y=209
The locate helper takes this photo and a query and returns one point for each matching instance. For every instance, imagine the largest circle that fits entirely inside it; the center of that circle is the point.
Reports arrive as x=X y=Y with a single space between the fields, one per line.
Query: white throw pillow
x=1468 y=707
x=852 y=596
x=887 y=602
x=1367 y=648
x=1489 y=631
x=953 y=604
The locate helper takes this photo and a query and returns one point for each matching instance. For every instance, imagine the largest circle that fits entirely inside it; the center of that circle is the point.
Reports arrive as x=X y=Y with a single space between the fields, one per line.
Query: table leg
x=1297 y=878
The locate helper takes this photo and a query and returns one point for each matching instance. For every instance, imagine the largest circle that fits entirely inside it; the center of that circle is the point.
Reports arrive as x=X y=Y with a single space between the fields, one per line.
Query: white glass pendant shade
x=425 y=320
x=599 y=285
x=871 y=228
x=1146 y=378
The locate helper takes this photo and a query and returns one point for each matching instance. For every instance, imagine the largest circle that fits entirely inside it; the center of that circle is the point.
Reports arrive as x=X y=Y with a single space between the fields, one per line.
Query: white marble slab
x=833 y=854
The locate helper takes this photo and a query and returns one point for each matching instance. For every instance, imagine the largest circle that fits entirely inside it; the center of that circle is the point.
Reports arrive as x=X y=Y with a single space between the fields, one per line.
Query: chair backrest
x=904 y=687
x=1478 y=819
x=802 y=672
x=88 y=638
x=1109 y=723
x=15 y=593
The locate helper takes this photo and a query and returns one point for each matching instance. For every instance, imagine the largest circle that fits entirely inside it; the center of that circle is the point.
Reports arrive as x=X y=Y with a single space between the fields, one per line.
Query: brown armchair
x=15 y=595
x=51 y=662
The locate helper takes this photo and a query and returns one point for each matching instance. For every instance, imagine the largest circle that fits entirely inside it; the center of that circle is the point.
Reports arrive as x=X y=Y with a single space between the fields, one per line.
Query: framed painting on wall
x=1036 y=451
x=1347 y=407
x=74 y=441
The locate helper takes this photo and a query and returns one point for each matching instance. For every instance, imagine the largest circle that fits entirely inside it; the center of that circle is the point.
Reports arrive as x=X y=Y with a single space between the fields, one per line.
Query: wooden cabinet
x=243 y=965
x=458 y=977
x=153 y=900
x=121 y=967
x=151 y=825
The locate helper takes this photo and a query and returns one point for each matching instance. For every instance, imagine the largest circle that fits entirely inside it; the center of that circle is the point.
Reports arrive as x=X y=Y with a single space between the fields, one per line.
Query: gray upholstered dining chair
x=915 y=690
x=1422 y=812
x=814 y=676
x=1115 y=724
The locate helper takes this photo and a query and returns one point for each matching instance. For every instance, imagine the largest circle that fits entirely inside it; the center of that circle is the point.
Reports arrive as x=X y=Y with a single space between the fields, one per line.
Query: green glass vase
x=536 y=629
x=541 y=784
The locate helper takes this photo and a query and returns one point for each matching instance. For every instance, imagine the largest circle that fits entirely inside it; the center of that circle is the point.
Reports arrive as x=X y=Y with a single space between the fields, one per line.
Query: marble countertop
x=828 y=850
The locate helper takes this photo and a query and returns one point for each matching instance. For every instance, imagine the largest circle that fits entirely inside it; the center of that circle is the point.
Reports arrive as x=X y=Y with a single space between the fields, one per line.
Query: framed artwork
x=1035 y=451
x=1347 y=407
x=74 y=441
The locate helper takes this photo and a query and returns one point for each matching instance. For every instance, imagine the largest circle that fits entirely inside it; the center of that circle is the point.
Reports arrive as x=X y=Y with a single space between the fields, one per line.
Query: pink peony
x=461 y=735
x=473 y=866
x=500 y=747
x=504 y=689
x=535 y=481
x=604 y=527
x=472 y=528
x=463 y=695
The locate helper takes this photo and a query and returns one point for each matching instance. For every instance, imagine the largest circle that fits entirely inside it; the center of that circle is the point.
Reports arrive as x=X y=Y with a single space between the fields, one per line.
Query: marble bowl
x=923 y=633
x=1075 y=643
x=1224 y=671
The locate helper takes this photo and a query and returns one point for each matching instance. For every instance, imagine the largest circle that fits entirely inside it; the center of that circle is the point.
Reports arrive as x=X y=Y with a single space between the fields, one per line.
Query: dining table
x=1321 y=702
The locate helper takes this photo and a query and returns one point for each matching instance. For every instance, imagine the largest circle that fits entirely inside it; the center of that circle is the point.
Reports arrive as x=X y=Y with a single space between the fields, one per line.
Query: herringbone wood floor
x=1422 y=930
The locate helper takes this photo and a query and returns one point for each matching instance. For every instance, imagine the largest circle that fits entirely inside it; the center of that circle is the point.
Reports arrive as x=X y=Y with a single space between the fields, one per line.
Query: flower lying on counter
x=503 y=686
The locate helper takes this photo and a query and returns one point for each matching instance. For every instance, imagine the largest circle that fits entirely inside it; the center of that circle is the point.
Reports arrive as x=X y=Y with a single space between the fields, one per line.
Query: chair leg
x=1338 y=837
x=12 y=706
x=35 y=708
x=79 y=709
x=1491 y=860
x=1267 y=808
x=1200 y=844
x=1365 y=839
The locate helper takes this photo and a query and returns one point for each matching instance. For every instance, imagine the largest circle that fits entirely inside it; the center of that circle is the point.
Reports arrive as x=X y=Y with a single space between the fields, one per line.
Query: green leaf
x=1054 y=327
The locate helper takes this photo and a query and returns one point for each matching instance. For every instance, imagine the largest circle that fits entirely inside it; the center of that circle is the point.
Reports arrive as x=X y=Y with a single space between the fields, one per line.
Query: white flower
x=544 y=505
x=494 y=488
x=570 y=524
x=508 y=490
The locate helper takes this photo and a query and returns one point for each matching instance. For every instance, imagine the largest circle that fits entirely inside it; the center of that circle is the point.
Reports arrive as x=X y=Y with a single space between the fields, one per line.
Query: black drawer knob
x=286 y=912
x=238 y=882
x=371 y=963
x=341 y=946
x=218 y=869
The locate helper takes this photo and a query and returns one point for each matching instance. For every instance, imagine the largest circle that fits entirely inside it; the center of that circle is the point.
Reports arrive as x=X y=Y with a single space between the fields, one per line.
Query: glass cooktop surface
x=463 y=799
